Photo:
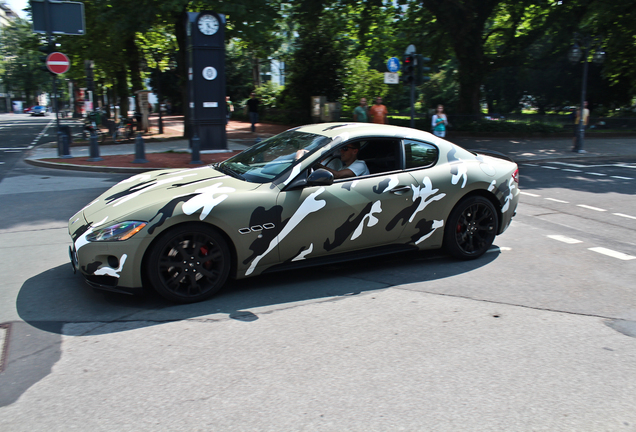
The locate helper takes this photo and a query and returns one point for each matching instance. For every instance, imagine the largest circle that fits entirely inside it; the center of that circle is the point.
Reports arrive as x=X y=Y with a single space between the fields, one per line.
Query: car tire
x=189 y=263
x=471 y=228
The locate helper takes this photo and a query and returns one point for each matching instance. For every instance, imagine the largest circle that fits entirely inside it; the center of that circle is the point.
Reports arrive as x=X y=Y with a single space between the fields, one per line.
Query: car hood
x=140 y=196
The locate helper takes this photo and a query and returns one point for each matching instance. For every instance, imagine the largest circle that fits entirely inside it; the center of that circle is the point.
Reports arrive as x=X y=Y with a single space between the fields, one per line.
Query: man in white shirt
x=351 y=166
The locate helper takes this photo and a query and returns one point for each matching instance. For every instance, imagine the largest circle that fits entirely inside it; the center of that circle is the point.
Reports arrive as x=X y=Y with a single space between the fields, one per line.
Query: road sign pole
x=49 y=41
x=413 y=96
x=412 y=104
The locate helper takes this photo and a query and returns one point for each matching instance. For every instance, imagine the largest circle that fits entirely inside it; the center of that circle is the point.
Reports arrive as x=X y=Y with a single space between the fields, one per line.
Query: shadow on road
x=58 y=296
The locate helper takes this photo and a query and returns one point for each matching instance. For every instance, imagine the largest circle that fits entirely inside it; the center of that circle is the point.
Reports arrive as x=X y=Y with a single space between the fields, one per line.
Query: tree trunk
x=467 y=19
x=182 y=69
x=256 y=72
x=121 y=80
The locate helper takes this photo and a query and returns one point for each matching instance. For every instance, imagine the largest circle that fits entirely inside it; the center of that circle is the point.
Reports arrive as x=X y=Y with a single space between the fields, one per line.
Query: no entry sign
x=57 y=63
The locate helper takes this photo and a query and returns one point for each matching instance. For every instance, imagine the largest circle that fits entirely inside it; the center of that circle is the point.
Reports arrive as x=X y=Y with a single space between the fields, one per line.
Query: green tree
x=22 y=72
x=316 y=69
x=615 y=22
x=487 y=35
x=360 y=81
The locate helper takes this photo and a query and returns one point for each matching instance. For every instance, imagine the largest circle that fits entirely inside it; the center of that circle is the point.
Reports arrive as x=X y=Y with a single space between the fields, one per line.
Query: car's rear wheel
x=189 y=263
x=471 y=228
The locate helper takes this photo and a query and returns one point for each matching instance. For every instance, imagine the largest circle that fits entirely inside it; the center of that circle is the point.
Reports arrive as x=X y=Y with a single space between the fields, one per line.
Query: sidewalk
x=171 y=151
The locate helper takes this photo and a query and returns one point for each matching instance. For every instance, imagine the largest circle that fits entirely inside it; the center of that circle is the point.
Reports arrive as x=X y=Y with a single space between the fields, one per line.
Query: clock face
x=208 y=24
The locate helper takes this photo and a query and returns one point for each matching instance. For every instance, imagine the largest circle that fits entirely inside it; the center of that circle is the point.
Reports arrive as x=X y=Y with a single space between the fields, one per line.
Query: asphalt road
x=21 y=132
x=539 y=334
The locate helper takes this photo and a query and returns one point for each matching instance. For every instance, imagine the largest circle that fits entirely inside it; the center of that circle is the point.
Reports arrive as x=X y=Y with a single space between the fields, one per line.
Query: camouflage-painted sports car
x=275 y=206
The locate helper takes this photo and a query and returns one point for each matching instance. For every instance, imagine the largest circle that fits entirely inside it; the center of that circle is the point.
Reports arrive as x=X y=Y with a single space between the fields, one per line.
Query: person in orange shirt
x=378 y=112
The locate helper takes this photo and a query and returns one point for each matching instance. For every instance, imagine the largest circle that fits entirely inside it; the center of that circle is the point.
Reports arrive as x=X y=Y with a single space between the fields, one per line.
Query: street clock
x=208 y=24
x=205 y=33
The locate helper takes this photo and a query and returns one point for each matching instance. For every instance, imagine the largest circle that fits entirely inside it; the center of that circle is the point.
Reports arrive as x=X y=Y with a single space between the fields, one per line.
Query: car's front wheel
x=189 y=263
x=471 y=228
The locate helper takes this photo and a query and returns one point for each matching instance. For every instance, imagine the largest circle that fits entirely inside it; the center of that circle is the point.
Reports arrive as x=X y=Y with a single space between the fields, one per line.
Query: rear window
x=419 y=154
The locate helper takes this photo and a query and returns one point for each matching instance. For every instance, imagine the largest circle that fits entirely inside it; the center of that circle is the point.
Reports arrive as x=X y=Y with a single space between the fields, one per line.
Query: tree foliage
x=504 y=53
x=20 y=62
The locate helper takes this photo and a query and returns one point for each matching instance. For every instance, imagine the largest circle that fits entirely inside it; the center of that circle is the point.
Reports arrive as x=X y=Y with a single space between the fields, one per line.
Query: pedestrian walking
x=439 y=122
x=378 y=112
x=586 y=117
x=252 y=108
x=361 y=112
x=230 y=107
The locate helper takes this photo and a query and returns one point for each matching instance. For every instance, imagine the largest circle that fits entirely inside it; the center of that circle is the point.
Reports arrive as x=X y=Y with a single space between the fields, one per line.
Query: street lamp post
x=582 y=47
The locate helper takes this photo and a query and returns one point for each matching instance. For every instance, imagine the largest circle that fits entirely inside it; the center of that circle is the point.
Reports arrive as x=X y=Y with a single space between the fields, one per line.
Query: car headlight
x=117 y=232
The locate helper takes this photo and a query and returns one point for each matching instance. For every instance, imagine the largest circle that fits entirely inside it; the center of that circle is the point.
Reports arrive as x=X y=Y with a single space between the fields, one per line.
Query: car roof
x=358 y=130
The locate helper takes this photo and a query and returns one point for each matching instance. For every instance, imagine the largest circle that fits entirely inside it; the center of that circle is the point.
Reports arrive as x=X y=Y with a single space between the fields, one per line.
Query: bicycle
x=124 y=130
x=91 y=126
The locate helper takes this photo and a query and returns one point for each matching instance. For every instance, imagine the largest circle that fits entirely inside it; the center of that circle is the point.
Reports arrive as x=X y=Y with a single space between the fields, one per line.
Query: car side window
x=419 y=154
x=380 y=155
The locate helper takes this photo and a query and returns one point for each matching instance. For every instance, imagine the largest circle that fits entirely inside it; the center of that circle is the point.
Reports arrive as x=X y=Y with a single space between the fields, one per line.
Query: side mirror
x=319 y=177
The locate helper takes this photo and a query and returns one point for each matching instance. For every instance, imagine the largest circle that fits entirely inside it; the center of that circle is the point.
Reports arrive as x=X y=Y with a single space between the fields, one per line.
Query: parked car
x=27 y=110
x=38 y=110
x=273 y=207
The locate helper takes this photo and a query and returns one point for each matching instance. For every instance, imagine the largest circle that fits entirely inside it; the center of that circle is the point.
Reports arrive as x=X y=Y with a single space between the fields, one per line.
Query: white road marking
x=625 y=216
x=549 y=167
x=572 y=170
x=596 y=174
x=558 y=200
x=622 y=178
x=13 y=148
x=611 y=253
x=4 y=341
x=591 y=208
x=498 y=249
x=564 y=239
x=569 y=164
x=531 y=164
x=530 y=194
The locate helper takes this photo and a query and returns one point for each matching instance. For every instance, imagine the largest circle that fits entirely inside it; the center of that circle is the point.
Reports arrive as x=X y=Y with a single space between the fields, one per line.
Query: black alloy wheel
x=471 y=228
x=189 y=263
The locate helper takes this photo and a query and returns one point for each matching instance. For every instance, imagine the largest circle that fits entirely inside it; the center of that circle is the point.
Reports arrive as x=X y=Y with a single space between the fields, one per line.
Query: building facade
x=6 y=16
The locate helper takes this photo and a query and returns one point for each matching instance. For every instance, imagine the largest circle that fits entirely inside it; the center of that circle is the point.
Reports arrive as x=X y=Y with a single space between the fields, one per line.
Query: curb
x=90 y=168
x=141 y=169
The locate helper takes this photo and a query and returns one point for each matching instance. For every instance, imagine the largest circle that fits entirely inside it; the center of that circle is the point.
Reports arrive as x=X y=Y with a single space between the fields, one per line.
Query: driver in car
x=351 y=166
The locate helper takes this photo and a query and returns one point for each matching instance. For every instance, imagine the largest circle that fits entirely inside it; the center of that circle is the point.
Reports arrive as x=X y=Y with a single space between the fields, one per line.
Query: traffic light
x=409 y=69
x=420 y=69
x=88 y=68
x=46 y=49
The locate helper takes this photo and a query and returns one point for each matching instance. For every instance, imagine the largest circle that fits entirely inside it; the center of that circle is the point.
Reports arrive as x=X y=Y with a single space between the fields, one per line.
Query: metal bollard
x=94 y=149
x=140 y=152
x=63 y=149
x=196 y=150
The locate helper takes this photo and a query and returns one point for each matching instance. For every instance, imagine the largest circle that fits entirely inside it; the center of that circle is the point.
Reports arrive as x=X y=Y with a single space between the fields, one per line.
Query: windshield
x=268 y=159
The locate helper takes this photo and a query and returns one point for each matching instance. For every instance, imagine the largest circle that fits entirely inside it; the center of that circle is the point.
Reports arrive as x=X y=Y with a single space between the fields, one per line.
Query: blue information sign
x=393 y=65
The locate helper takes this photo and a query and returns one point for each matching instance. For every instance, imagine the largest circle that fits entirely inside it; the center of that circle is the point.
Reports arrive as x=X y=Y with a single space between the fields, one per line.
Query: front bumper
x=101 y=282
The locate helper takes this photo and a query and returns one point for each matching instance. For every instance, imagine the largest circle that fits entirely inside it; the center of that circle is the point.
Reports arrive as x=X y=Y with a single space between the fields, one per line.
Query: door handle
x=400 y=190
